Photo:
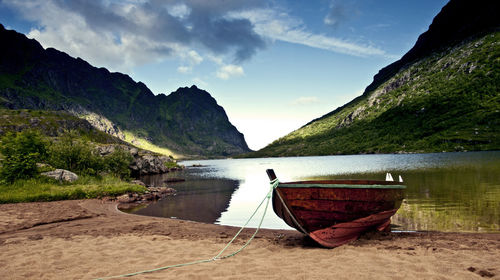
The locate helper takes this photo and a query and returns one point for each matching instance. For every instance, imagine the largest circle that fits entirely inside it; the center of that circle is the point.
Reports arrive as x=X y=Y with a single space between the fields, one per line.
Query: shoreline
x=88 y=239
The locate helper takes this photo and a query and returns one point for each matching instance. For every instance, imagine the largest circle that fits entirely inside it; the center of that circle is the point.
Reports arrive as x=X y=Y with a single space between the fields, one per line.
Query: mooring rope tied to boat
x=274 y=183
x=291 y=214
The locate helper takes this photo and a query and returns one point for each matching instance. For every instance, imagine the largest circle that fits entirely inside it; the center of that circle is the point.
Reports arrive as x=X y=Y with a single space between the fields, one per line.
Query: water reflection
x=446 y=192
x=461 y=199
x=201 y=200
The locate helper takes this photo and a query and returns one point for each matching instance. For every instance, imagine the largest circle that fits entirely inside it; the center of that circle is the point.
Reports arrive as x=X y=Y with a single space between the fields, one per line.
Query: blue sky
x=273 y=65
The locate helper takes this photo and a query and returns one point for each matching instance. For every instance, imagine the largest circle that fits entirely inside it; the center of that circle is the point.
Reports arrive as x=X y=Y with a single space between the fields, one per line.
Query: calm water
x=446 y=191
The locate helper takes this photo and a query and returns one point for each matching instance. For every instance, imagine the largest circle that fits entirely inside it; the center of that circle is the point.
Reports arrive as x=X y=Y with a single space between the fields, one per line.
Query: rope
x=274 y=183
x=291 y=214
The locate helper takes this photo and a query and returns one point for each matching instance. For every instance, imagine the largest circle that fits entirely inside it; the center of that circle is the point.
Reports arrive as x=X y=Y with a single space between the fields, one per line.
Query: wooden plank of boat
x=343 y=233
x=335 y=212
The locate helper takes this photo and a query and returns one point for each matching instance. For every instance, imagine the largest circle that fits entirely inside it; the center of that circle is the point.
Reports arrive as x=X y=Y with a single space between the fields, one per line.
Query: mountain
x=186 y=122
x=443 y=95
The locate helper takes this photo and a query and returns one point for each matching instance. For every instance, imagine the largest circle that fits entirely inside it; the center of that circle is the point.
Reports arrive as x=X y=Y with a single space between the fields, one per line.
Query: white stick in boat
x=388 y=177
x=400 y=179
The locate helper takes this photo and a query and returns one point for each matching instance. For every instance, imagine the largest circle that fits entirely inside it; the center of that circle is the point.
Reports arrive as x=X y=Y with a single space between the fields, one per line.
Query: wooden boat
x=335 y=212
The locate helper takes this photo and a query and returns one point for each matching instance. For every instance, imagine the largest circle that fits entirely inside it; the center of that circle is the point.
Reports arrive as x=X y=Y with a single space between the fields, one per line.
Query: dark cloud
x=223 y=35
x=206 y=23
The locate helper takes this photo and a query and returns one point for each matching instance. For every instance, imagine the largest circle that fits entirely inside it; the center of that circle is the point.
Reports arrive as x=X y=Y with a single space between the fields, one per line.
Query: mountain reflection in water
x=201 y=200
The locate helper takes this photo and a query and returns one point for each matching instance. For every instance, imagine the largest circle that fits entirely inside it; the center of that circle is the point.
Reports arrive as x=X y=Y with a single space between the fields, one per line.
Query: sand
x=88 y=239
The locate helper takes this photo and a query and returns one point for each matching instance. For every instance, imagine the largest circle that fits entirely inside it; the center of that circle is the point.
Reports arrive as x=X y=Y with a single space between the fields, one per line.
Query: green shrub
x=76 y=155
x=21 y=151
x=117 y=163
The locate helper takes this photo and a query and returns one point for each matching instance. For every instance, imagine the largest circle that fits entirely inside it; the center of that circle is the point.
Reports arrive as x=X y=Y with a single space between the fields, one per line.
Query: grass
x=172 y=164
x=147 y=145
x=44 y=189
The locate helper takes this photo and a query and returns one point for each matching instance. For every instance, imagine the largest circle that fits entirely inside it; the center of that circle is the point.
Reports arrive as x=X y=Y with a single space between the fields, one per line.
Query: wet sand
x=88 y=239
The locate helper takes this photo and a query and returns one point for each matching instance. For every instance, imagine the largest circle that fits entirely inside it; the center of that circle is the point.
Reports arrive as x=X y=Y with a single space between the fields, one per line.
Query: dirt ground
x=90 y=239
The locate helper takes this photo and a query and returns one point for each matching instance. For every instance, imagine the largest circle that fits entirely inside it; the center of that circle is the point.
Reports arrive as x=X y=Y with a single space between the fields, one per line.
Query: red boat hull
x=336 y=212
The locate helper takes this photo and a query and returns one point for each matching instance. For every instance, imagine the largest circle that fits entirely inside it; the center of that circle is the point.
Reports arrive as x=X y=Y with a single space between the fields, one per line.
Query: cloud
x=124 y=34
x=229 y=71
x=184 y=69
x=377 y=27
x=305 y=100
x=278 y=25
x=180 y=10
x=191 y=58
x=339 y=13
x=194 y=57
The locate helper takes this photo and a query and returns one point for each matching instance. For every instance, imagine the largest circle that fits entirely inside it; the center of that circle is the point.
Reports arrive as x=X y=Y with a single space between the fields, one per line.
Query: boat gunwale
x=344 y=184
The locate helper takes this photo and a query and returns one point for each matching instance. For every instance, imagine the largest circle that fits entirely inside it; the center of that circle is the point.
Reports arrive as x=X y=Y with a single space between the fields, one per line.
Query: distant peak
x=191 y=90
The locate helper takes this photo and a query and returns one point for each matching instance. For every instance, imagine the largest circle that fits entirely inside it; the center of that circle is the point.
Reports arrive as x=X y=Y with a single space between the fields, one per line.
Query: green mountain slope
x=439 y=97
x=186 y=122
x=53 y=124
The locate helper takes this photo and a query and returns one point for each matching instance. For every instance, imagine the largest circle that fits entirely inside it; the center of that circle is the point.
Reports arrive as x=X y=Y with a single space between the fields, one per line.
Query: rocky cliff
x=188 y=122
x=457 y=21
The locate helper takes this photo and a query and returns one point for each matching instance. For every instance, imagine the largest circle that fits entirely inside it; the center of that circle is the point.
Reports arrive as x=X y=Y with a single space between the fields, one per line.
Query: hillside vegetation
x=52 y=124
x=447 y=101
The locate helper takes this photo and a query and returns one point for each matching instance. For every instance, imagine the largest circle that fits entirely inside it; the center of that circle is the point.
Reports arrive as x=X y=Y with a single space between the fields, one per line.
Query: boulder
x=144 y=162
x=61 y=175
x=162 y=191
x=149 y=164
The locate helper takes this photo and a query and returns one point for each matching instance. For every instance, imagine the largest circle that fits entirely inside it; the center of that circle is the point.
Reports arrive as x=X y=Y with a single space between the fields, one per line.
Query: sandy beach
x=89 y=239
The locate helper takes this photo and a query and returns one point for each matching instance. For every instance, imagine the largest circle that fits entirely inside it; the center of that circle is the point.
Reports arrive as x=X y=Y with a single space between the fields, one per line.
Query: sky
x=273 y=65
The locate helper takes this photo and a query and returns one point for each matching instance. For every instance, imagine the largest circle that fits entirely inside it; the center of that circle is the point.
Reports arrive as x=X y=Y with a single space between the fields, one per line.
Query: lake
x=445 y=191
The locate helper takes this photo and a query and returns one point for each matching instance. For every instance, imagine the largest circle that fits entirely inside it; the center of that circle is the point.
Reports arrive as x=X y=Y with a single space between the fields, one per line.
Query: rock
x=125 y=198
x=161 y=192
x=144 y=162
x=134 y=152
x=61 y=175
x=34 y=121
x=149 y=164
x=148 y=196
x=153 y=193
x=167 y=191
x=106 y=149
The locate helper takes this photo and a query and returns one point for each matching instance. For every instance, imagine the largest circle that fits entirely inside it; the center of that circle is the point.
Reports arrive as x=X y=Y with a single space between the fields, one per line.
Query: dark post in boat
x=335 y=212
